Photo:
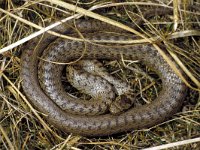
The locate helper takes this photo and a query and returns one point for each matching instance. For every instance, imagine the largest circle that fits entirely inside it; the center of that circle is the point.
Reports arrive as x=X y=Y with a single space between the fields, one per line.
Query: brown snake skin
x=164 y=106
x=91 y=77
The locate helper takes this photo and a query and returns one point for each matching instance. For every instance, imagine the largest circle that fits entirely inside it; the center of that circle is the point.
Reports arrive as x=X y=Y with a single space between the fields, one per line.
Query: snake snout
x=122 y=103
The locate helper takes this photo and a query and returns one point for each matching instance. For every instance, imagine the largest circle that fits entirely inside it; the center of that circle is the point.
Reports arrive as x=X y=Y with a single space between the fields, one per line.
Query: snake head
x=122 y=103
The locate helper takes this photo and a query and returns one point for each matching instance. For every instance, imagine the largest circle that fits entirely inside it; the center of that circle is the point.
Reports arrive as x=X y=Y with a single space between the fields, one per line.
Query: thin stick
x=7 y=138
x=41 y=31
x=170 y=145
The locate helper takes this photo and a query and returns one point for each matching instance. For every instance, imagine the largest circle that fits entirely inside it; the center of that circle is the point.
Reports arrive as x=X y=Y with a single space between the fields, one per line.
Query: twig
x=170 y=145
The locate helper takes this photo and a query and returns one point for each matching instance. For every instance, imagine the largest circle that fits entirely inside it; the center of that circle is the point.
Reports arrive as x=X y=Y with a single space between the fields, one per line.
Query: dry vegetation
x=20 y=128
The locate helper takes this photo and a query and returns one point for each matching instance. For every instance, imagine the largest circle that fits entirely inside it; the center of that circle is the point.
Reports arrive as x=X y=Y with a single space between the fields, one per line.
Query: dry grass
x=21 y=128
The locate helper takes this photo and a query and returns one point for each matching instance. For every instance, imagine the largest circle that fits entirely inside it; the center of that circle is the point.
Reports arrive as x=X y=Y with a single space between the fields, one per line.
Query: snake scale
x=164 y=106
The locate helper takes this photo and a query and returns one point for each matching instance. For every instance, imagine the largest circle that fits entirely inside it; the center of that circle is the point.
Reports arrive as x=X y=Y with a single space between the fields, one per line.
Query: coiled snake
x=60 y=111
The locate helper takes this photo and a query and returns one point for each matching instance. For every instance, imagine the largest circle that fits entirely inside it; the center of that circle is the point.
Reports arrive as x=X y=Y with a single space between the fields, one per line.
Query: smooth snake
x=164 y=106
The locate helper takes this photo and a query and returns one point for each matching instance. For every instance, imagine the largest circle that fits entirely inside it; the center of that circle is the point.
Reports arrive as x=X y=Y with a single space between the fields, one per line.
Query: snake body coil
x=166 y=104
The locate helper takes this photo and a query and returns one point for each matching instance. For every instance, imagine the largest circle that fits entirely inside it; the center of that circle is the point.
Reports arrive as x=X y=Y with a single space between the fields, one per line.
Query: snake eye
x=122 y=103
x=125 y=100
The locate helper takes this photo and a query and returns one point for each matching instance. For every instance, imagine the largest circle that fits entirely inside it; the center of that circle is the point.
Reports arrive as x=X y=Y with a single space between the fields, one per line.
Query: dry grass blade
x=4 y=135
x=170 y=145
x=31 y=107
x=176 y=15
x=42 y=30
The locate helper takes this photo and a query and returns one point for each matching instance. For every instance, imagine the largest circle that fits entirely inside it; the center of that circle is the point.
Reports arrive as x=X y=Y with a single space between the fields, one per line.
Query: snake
x=76 y=116
x=91 y=77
